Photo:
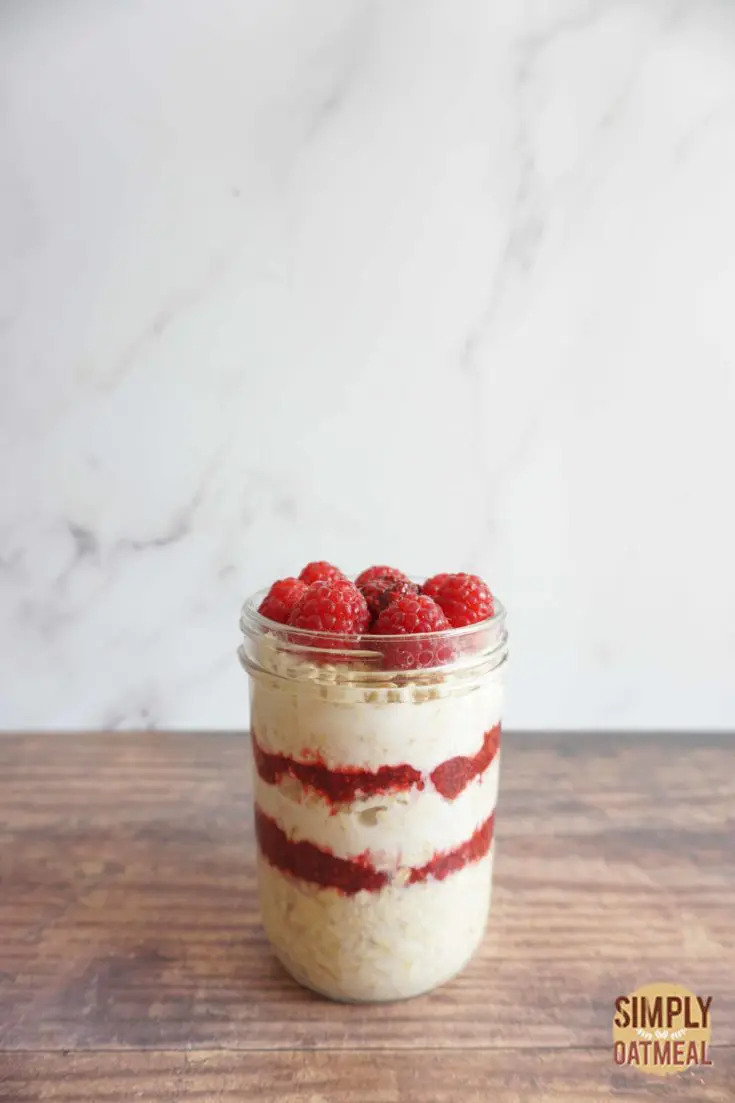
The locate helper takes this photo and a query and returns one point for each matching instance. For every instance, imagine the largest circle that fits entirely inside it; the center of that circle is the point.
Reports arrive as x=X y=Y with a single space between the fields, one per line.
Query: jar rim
x=254 y=623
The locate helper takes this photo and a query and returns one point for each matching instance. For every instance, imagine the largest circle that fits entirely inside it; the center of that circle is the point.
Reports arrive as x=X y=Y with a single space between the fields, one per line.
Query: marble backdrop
x=445 y=284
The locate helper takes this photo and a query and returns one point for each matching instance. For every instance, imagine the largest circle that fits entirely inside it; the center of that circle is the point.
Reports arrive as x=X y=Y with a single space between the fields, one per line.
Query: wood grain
x=475 y=1076
x=128 y=917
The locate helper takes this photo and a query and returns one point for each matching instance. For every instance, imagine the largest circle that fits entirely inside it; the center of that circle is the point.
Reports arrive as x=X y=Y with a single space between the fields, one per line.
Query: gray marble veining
x=445 y=285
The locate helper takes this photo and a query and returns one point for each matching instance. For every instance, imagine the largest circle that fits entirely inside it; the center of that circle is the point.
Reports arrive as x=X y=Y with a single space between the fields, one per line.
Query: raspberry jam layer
x=352 y=875
x=310 y=863
x=450 y=861
x=340 y=786
x=455 y=774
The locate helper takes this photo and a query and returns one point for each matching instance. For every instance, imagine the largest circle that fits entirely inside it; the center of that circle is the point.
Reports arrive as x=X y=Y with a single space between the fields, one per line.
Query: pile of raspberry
x=382 y=601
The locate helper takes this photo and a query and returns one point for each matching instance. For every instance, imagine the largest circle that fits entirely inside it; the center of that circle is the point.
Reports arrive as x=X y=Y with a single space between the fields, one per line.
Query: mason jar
x=375 y=780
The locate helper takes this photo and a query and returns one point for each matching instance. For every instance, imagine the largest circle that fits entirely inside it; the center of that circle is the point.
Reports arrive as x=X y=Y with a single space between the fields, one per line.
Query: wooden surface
x=133 y=967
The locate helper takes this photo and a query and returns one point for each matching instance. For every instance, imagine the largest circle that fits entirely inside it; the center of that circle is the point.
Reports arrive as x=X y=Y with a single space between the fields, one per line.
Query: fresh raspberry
x=331 y=606
x=281 y=598
x=434 y=584
x=372 y=573
x=465 y=599
x=398 y=588
x=320 y=571
x=408 y=615
x=379 y=592
x=372 y=591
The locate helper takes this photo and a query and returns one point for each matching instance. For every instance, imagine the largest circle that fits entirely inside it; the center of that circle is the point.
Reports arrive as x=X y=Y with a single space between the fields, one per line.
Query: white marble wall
x=449 y=284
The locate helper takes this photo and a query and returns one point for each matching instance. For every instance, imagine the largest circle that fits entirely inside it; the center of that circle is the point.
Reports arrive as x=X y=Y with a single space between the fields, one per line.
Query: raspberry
x=434 y=584
x=320 y=571
x=379 y=592
x=281 y=598
x=394 y=590
x=410 y=614
x=465 y=599
x=372 y=573
x=331 y=606
x=407 y=615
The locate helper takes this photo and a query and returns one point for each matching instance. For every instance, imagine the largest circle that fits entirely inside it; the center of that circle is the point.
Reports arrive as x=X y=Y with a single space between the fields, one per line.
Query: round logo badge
x=662 y=1029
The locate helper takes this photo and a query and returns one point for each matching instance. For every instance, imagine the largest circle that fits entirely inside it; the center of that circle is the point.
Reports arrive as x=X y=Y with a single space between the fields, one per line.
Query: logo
x=662 y=1029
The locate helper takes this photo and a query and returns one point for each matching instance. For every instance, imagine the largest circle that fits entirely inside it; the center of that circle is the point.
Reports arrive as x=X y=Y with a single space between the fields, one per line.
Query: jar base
x=376 y=948
x=339 y=997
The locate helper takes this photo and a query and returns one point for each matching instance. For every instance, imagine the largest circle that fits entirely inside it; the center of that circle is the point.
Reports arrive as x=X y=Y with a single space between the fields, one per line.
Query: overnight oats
x=375 y=717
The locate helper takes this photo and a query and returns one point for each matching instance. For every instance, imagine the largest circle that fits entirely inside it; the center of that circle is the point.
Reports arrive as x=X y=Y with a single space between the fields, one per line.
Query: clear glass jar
x=375 y=793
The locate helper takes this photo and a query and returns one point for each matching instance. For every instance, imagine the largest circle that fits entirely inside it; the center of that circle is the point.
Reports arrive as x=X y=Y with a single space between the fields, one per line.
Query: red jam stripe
x=442 y=864
x=455 y=774
x=338 y=786
x=344 y=785
x=311 y=863
x=351 y=875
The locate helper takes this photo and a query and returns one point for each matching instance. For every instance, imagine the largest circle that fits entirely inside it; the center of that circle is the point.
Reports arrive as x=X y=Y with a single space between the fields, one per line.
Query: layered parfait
x=375 y=729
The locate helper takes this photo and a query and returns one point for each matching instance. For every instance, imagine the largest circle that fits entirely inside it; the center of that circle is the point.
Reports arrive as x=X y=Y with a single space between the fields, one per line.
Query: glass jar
x=375 y=783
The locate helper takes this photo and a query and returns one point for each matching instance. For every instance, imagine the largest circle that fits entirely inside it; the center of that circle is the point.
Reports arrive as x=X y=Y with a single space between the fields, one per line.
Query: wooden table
x=133 y=966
